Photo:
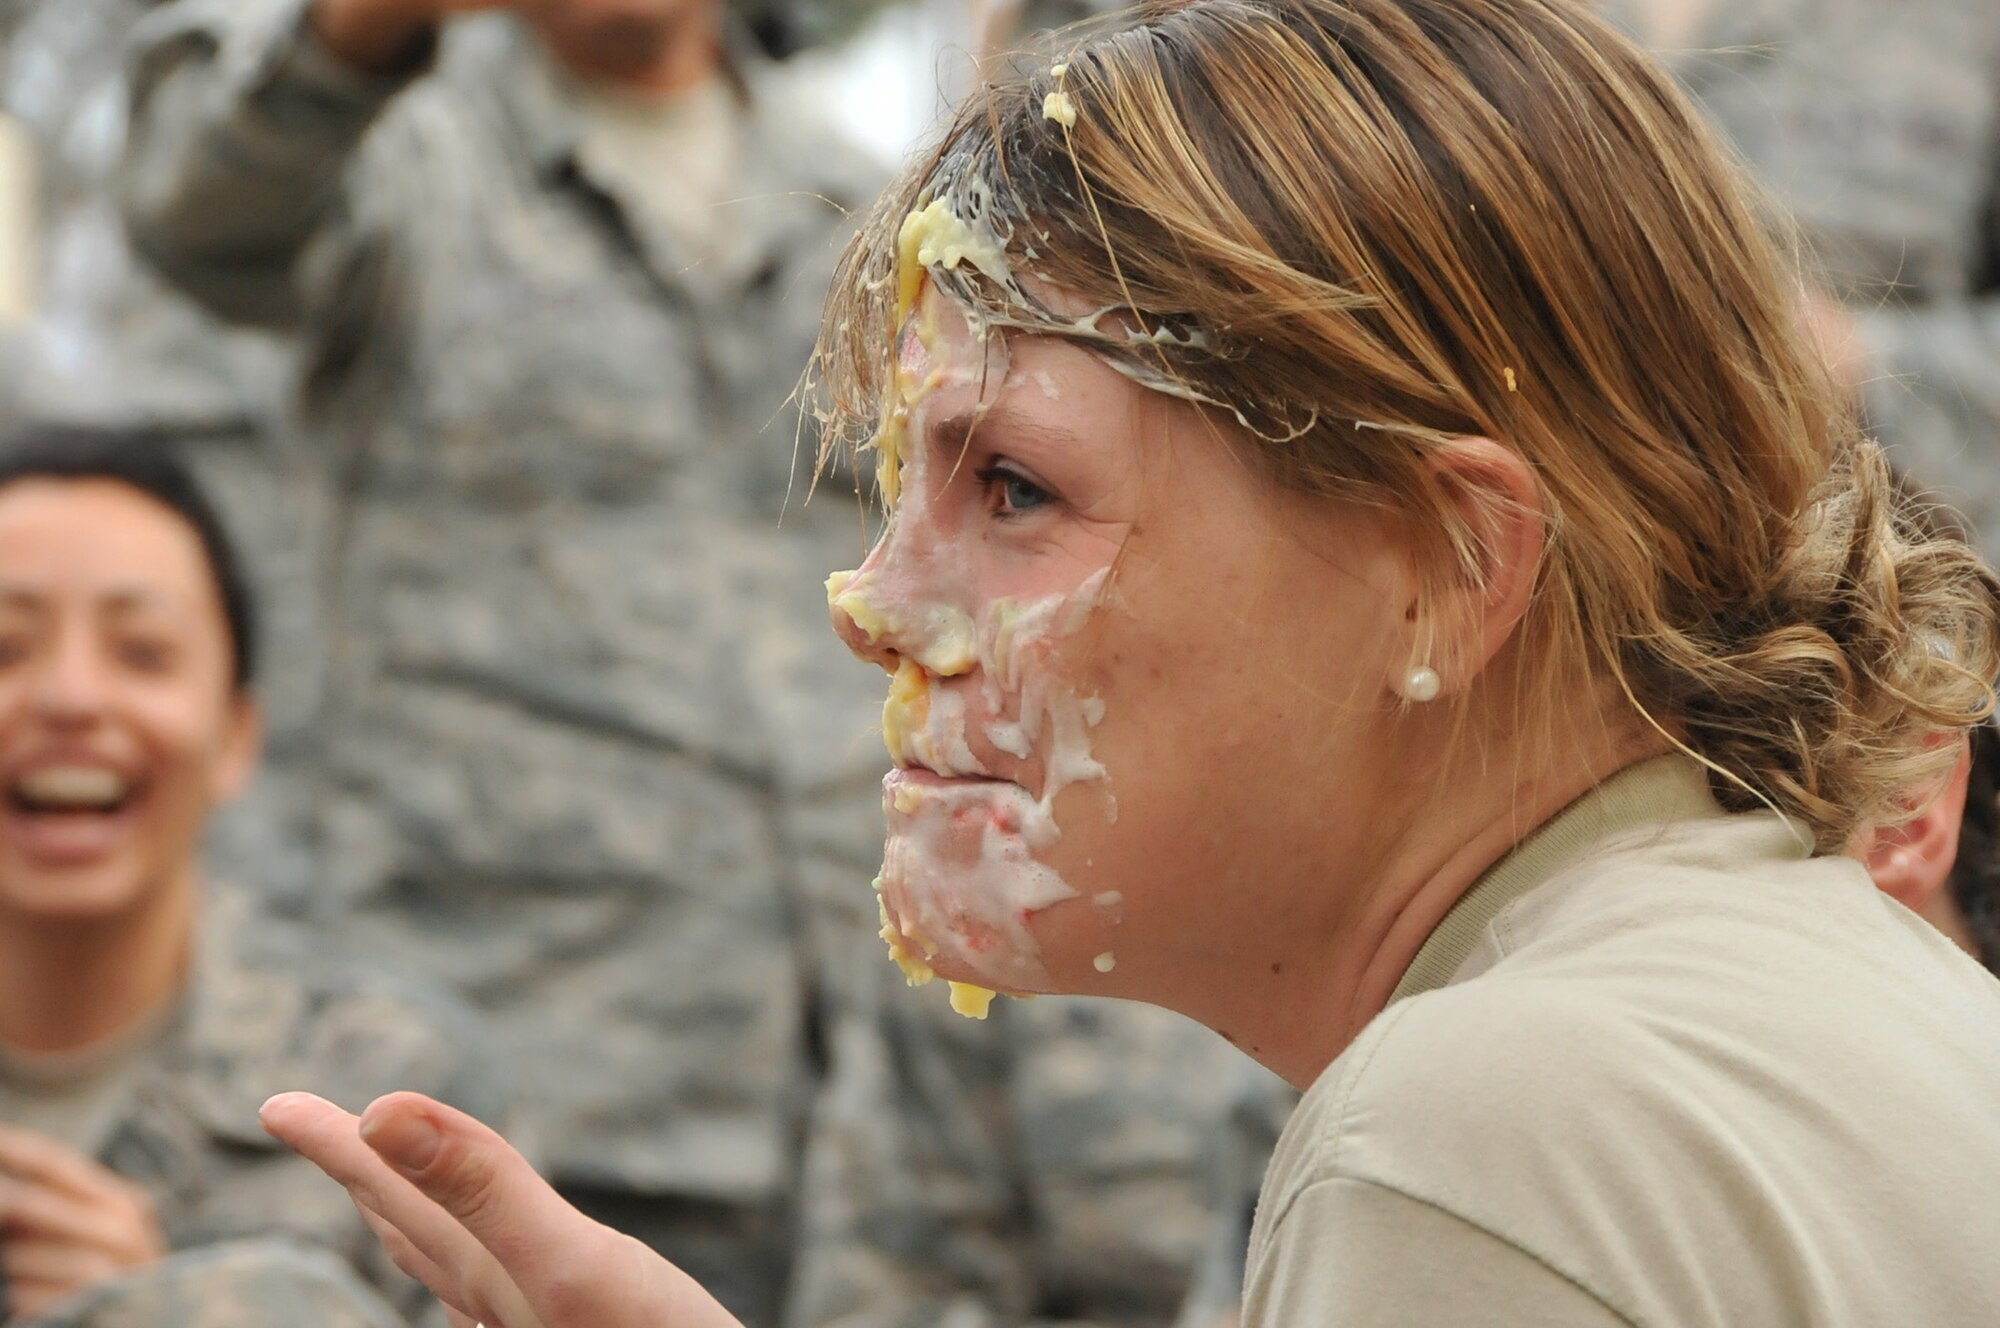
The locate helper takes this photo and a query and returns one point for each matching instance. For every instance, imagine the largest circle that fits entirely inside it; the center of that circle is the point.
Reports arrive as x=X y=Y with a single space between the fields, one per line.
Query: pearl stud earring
x=1423 y=684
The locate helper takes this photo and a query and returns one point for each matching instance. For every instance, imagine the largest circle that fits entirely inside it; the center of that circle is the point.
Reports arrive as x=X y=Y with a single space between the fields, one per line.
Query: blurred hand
x=66 y=1222
x=379 y=36
x=466 y=1215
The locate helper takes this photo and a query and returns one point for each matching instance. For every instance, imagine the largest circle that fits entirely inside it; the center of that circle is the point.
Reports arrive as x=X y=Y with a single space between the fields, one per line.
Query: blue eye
x=1012 y=492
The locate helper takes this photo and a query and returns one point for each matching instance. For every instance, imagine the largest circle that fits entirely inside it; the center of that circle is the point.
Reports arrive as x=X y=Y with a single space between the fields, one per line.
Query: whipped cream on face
x=963 y=867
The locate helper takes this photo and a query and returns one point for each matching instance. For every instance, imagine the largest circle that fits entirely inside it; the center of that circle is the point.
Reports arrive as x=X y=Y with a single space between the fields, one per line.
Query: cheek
x=185 y=739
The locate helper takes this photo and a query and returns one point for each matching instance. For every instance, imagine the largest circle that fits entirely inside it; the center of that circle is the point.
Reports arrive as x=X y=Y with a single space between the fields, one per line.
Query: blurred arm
x=240 y=182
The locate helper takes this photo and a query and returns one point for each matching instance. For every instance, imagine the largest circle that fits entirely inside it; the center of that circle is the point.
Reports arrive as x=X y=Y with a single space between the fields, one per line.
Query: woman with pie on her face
x=1374 y=566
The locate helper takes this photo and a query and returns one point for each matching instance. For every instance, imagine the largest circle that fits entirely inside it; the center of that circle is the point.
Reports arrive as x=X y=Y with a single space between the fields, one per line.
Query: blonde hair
x=1362 y=227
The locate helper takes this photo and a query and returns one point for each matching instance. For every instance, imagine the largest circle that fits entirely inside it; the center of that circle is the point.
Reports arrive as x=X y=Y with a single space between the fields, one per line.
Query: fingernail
x=280 y=1101
x=405 y=1139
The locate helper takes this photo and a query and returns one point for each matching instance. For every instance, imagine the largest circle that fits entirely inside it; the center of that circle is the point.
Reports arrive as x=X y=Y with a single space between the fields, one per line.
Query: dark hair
x=149 y=463
x=1975 y=873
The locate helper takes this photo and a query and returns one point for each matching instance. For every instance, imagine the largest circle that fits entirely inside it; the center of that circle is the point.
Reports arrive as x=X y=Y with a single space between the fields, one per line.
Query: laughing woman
x=1375 y=568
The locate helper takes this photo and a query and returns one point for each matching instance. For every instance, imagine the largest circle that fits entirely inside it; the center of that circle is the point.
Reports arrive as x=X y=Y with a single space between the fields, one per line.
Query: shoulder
x=1500 y=1110
x=1491 y=1063
x=1354 y=1252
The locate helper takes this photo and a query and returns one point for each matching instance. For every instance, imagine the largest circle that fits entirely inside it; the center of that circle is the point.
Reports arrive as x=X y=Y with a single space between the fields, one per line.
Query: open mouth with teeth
x=69 y=814
x=71 y=790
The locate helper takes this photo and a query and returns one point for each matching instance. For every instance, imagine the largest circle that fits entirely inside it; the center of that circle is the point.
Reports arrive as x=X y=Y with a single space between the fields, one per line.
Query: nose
x=69 y=688
x=855 y=624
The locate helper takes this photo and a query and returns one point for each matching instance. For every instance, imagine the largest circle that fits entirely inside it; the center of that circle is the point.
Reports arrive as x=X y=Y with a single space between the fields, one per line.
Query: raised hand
x=378 y=36
x=465 y=1214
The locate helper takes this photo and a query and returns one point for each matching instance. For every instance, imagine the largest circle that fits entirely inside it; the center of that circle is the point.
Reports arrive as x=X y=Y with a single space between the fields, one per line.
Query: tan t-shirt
x=1659 y=1068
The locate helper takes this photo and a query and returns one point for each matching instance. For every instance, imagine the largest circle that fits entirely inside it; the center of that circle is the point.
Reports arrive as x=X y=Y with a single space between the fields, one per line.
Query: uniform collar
x=239 y=1032
x=1646 y=795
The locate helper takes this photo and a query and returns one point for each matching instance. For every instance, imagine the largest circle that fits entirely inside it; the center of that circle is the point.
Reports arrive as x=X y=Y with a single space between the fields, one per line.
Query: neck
x=70 y=983
x=1315 y=988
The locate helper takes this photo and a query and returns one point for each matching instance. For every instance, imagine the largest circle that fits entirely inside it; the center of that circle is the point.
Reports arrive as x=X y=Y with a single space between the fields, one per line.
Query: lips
x=69 y=812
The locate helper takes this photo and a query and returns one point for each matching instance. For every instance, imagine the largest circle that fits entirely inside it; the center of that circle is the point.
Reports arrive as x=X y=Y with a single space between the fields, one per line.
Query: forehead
x=97 y=534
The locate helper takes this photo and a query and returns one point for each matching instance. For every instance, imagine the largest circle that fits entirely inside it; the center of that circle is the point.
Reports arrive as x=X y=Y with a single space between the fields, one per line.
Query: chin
x=82 y=894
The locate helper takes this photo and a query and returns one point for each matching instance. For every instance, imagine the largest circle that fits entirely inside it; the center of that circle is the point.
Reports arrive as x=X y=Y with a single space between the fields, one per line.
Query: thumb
x=570 y=1269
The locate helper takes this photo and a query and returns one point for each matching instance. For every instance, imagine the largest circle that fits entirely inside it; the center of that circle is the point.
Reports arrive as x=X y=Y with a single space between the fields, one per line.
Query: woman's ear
x=242 y=750
x=1493 y=491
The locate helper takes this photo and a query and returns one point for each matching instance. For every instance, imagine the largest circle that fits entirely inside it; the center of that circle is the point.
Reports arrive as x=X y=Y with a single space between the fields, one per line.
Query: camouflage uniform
x=267 y=1011
x=235 y=1284
x=558 y=465
x=1259 y=1103
x=1049 y=1166
x=1878 y=127
x=112 y=345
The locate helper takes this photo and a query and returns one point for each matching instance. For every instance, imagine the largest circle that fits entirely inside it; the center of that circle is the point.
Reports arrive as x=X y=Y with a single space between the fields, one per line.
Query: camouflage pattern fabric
x=557 y=469
x=1258 y=1105
x=1048 y=1166
x=267 y=1010
x=238 y=1284
x=1878 y=128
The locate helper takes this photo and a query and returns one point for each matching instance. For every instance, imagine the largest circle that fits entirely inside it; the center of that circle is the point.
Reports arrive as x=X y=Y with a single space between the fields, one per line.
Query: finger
x=28 y=1209
x=119 y=1225
x=572 y=1270
x=458 y=1320
x=446 y=1285
x=467 y=1276
x=56 y=1263
x=29 y=1155
x=26 y=1300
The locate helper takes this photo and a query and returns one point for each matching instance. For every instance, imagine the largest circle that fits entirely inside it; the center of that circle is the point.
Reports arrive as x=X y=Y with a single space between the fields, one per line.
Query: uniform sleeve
x=235 y=1284
x=1356 y=1254
x=240 y=182
x=1934 y=398
x=911 y=1212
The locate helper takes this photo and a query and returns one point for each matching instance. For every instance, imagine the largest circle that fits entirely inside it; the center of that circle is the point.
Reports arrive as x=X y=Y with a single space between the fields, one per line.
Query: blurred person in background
x=1878 y=128
x=143 y=1015
x=553 y=271
x=1944 y=864
x=92 y=337
x=1049 y=1166
x=1975 y=873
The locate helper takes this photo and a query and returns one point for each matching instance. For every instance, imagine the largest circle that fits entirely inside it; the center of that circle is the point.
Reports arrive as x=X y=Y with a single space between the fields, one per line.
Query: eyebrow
x=956 y=430
x=123 y=600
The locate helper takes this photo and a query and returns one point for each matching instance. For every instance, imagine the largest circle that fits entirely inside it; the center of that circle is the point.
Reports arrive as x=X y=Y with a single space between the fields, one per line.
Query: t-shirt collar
x=1649 y=793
